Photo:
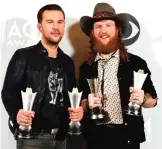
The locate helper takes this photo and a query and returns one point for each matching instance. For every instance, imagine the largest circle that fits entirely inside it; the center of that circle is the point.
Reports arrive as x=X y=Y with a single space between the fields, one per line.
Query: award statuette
x=96 y=112
x=28 y=97
x=75 y=97
x=139 y=78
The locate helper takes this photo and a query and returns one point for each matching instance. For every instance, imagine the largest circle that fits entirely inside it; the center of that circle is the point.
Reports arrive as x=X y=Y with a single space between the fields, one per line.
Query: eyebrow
x=54 y=20
x=61 y=20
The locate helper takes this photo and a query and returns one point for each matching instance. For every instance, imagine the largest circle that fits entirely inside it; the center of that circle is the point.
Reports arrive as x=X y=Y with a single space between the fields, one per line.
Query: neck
x=106 y=56
x=51 y=48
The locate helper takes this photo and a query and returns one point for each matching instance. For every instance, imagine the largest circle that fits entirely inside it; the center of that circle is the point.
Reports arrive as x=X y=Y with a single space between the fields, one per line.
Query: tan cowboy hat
x=104 y=11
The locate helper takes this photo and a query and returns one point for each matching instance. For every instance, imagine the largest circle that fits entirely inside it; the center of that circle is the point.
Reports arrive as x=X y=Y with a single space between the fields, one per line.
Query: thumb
x=70 y=109
x=131 y=89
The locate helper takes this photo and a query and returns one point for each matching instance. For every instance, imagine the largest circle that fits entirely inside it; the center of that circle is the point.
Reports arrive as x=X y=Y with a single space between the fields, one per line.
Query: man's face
x=52 y=26
x=104 y=31
x=105 y=36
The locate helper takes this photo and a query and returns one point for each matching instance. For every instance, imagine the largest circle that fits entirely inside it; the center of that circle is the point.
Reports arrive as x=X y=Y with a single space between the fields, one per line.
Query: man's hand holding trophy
x=75 y=111
x=25 y=115
x=136 y=93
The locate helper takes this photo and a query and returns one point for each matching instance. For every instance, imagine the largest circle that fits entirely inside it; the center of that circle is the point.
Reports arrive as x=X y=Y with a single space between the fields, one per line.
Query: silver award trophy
x=28 y=98
x=95 y=112
x=75 y=97
x=139 y=78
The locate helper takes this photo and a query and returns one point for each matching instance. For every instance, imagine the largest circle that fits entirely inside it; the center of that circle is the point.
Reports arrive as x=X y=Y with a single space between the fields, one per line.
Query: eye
x=97 y=26
x=108 y=25
x=49 y=21
x=61 y=22
x=133 y=31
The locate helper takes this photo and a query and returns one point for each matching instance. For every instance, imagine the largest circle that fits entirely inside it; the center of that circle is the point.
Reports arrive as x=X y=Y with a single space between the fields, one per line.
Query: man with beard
x=47 y=70
x=110 y=62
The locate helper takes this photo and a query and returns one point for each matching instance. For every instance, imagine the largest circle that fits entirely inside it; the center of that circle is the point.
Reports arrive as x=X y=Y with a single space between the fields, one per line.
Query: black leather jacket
x=28 y=68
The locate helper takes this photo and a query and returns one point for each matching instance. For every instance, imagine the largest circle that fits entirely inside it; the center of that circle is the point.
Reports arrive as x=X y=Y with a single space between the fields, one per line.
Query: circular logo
x=133 y=31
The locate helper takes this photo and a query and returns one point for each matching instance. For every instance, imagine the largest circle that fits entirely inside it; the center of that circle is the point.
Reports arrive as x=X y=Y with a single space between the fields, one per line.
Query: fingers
x=75 y=117
x=94 y=101
x=24 y=118
x=136 y=96
x=76 y=114
x=99 y=95
x=131 y=89
x=70 y=109
x=32 y=114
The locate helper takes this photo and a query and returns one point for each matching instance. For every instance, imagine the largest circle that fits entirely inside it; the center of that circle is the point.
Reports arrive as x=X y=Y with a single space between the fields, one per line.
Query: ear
x=39 y=27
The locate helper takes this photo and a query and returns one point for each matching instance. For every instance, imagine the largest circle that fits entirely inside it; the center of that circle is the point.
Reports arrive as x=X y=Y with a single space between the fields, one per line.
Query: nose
x=104 y=29
x=55 y=25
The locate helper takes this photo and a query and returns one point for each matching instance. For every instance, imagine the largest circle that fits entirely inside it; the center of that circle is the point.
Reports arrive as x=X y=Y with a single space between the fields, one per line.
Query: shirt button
x=125 y=123
x=128 y=141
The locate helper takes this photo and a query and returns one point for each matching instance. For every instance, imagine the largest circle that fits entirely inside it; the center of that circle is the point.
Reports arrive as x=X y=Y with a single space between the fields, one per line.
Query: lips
x=104 y=36
x=56 y=33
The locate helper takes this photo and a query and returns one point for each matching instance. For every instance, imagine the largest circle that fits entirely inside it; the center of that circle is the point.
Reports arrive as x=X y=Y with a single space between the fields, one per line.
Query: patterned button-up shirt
x=111 y=95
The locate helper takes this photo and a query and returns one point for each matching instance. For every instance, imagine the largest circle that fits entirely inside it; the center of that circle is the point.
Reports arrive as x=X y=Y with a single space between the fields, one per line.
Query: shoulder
x=28 y=50
x=88 y=70
x=67 y=59
x=84 y=66
x=138 y=63
x=136 y=60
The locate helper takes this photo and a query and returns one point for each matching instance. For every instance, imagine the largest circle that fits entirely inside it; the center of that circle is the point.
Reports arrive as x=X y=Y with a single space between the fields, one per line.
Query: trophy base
x=74 y=133
x=20 y=136
x=74 y=128
x=100 y=122
x=104 y=118
x=97 y=116
x=132 y=112
x=25 y=133
x=93 y=116
x=100 y=116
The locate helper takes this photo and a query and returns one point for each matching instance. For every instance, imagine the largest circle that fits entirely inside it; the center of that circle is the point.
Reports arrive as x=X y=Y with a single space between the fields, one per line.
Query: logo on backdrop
x=148 y=130
x=16 y=33
x=133 y=31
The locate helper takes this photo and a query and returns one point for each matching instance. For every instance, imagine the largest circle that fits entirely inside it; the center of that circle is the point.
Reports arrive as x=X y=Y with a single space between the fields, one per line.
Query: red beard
x=110 y=47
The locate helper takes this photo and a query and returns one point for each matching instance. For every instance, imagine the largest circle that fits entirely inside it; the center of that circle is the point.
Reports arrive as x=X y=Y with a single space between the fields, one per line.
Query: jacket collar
x=44 y=52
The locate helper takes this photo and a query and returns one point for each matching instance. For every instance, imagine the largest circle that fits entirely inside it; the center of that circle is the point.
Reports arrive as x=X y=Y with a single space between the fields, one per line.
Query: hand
x=76 y=114
x=94 y=100
x=137 y=96
x=24 y=118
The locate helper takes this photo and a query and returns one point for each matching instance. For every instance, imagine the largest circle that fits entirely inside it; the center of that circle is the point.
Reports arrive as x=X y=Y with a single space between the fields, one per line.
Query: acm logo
x=16 y=33
x=147 y=126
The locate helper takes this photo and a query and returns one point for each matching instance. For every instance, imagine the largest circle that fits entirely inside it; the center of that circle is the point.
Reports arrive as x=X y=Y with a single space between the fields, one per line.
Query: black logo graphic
x=133 y=31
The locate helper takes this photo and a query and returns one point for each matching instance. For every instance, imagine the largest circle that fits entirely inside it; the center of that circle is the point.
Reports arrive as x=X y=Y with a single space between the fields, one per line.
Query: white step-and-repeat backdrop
x=18 y=29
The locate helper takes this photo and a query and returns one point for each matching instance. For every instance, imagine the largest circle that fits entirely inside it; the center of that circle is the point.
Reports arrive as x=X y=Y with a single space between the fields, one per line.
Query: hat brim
x=86 y=22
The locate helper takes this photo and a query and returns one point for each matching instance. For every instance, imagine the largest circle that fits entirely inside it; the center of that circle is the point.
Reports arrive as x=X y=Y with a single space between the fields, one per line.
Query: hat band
x=103 y=14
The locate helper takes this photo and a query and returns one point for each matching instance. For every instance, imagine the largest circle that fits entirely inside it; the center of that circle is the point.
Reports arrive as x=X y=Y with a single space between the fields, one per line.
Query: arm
x=11 y=91
x=147 y=96
x=150 y=97
x=83 y=86
x=149 y=101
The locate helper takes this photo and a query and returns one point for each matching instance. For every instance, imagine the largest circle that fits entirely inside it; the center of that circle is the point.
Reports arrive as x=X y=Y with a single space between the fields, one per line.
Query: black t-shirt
x=53 y=109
